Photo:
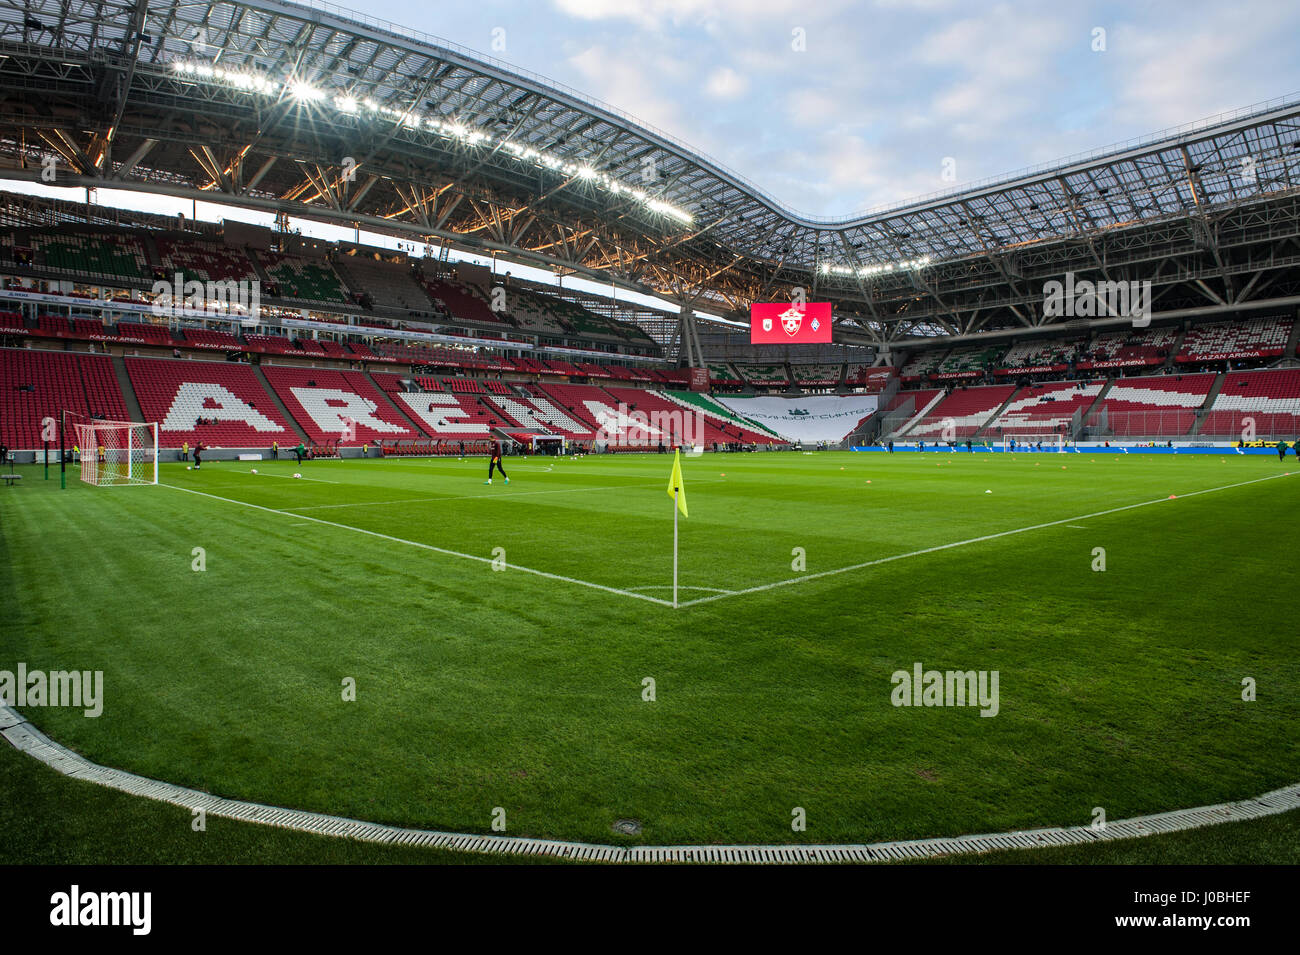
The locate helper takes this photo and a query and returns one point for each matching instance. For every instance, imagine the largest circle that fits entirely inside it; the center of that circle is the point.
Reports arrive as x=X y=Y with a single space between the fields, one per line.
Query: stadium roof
x=319 y=112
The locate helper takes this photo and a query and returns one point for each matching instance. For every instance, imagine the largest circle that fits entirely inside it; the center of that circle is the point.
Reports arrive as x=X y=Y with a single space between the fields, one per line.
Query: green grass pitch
x=522 y=688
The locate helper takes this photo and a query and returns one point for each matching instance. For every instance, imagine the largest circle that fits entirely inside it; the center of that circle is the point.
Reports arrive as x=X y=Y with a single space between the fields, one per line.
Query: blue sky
x=885 y=90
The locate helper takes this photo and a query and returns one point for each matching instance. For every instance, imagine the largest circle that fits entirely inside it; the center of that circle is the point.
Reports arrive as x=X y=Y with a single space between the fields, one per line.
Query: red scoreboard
x=783 y=323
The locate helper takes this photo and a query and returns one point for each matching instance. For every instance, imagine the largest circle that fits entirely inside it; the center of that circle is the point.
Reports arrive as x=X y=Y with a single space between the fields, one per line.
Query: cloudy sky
x=837 y=106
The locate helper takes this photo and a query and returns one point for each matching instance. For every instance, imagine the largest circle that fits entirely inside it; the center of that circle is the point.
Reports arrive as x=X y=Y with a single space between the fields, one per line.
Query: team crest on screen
x=767 y=324
x=791 y=319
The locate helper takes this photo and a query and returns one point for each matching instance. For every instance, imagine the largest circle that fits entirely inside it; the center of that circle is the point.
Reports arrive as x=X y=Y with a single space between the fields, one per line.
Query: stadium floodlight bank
x=117 y=453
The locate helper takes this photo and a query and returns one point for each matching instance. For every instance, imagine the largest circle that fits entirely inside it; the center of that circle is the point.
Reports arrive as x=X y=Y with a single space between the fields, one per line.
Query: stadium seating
x=599 y=410
x=388 y=284
x=271 y=344
x=205 y=261
x=306 y=280
x=588 y=324
x=463 y=302
x=1265 y=402
x=535 y=313
x=55 y=326
x=388 y=382
x=1051 y=354
x=1125 y=349
x=966 y=409
x=1164 y=405
x=1254 y=338
x=1046 y=409
x=448 y=416
x=103 y=393
x=541 y=414
x=678 y=417
x=365 y=353
x=112 y=254
x=37 y=384
x=463 y=386
x=765 y=376
x=821 y=375
x=144 y=333
x=320 y=399
x=970 y=361
x=921 y=399
x=723 y=373
x=923 y=365
x=211 y=340
x=733 y=426
x=12 y=323
x=92 y=329
x=579 y=401
x=237 y=410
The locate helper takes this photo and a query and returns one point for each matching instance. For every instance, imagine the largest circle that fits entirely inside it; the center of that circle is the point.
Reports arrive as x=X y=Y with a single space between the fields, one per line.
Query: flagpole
x=675 y=492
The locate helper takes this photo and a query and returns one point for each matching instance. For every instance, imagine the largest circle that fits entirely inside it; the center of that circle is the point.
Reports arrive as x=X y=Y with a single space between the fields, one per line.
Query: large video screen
x=784 y=323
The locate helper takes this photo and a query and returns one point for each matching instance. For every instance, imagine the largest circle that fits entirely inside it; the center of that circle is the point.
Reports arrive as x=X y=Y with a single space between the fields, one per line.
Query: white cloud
x=725 y=83
x=1192 y=69
x=635 y=89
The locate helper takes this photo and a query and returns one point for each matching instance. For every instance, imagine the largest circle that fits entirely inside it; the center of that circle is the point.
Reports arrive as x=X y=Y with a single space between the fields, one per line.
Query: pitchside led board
x=783 y=323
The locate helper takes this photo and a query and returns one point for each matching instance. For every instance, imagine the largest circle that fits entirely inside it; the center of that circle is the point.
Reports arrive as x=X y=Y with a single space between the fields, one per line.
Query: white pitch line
x=289 y=477
x=423 y=546
x=716 y=590
x=972 y=540
x=474 y=497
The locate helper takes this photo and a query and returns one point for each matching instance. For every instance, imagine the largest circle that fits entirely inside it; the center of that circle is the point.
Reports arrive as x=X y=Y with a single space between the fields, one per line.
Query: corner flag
x=676 y=489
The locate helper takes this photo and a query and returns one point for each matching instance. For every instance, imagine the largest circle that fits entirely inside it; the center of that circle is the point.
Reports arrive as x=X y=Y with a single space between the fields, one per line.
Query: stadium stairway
x=279 y=405
x=1092 y=408
x=128 y=392
x=918 y=417
x=1175 y=347
x=1203 y=412
x=258 y=270
x=979 y=432
x=151 y=249
x=1293 y=342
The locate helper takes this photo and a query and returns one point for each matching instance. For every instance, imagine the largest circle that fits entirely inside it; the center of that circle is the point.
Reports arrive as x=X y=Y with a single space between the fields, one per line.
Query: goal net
x=1054 y=441
x=118 y=452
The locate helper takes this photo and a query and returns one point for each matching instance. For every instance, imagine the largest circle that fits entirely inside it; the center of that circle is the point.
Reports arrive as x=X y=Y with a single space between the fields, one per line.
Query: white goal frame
x=129 y=451
x=1052 y=441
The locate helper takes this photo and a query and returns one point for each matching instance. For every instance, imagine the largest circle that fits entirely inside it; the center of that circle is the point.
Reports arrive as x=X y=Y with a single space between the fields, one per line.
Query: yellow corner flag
x=676 y=489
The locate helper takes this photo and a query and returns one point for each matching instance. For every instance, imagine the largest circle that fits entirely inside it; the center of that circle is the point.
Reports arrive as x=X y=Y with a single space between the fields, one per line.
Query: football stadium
x=410 y=458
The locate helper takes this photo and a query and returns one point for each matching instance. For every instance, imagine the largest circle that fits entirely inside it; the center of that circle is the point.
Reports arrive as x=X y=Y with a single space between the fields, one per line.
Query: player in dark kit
x=496 y=463
x=198 y=454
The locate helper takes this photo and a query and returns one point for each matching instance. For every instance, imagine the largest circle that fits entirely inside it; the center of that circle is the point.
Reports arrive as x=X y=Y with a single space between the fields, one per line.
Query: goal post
x=1047 y=441
x=117 y=453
